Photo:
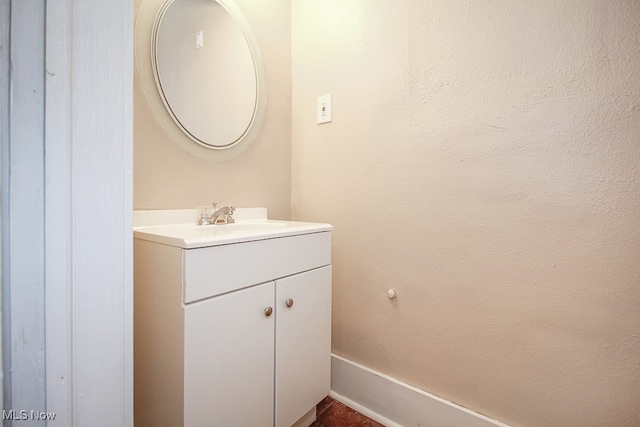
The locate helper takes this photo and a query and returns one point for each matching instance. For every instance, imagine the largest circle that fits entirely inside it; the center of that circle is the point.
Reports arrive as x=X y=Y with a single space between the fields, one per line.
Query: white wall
x=482 y=160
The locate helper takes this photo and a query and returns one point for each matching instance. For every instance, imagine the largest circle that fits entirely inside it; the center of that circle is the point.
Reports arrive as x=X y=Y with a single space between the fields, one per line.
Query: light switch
x=199 y=39
x=324 y=109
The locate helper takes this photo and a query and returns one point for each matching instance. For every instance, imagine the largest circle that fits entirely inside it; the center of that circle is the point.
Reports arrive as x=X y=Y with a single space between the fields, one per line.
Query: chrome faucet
x=222 y=215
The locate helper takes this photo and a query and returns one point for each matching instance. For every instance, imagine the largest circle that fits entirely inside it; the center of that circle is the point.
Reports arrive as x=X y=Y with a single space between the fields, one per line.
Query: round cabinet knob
x=268 y=311
x=289 y=302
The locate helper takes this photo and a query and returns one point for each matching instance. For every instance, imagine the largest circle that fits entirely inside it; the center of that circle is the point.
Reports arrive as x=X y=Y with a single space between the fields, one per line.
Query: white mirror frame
x=144 y=38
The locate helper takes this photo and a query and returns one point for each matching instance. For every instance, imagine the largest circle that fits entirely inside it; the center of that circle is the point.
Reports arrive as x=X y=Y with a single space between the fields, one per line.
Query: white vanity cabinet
x=233 y=334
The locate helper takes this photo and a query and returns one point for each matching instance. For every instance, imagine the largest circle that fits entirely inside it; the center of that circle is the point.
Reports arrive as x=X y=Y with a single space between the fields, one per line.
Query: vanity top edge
x=205 y=243
x=178 y=228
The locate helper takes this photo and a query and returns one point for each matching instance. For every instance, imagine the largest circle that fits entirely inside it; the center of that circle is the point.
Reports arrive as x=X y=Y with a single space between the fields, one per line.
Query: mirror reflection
x=206 y=71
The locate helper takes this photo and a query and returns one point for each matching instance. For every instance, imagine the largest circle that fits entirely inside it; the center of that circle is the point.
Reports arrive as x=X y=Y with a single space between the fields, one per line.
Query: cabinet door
x=229 y=359
x=303 y=343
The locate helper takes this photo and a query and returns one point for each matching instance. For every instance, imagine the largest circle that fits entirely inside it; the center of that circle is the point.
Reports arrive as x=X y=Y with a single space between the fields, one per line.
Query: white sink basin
x=237 y=227
x=170 y=228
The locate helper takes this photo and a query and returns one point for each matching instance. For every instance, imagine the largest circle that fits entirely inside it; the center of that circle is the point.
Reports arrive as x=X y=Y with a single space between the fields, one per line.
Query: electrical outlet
x=324 y=109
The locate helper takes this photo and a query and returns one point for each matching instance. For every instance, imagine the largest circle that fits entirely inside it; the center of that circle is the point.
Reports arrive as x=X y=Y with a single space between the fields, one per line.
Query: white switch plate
x=199 y=39
x=324 y=109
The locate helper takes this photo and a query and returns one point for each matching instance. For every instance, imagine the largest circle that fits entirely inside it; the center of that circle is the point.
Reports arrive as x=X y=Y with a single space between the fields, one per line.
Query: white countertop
x=178 y=228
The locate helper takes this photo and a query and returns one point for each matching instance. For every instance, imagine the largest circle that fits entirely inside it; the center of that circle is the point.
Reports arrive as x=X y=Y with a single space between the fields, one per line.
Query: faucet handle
x=204 y=215
x=230 y=219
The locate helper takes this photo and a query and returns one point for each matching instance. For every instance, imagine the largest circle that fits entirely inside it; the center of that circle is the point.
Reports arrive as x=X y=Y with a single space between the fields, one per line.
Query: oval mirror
x=208 y=75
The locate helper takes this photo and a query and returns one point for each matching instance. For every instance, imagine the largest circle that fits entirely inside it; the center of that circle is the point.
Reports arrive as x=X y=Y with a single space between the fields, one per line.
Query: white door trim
x=89 y=192
x=67 y=144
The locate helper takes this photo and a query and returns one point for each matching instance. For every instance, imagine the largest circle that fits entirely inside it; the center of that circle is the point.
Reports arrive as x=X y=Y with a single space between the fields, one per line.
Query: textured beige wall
x=167 y=177
x=484 y=160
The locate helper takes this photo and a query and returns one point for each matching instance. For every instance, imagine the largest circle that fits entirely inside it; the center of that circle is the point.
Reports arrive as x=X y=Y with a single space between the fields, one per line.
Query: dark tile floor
x=331 y=413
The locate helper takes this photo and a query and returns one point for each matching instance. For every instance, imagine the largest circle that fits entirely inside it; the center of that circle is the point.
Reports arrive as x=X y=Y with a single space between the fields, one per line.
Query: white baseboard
x=395 y=404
